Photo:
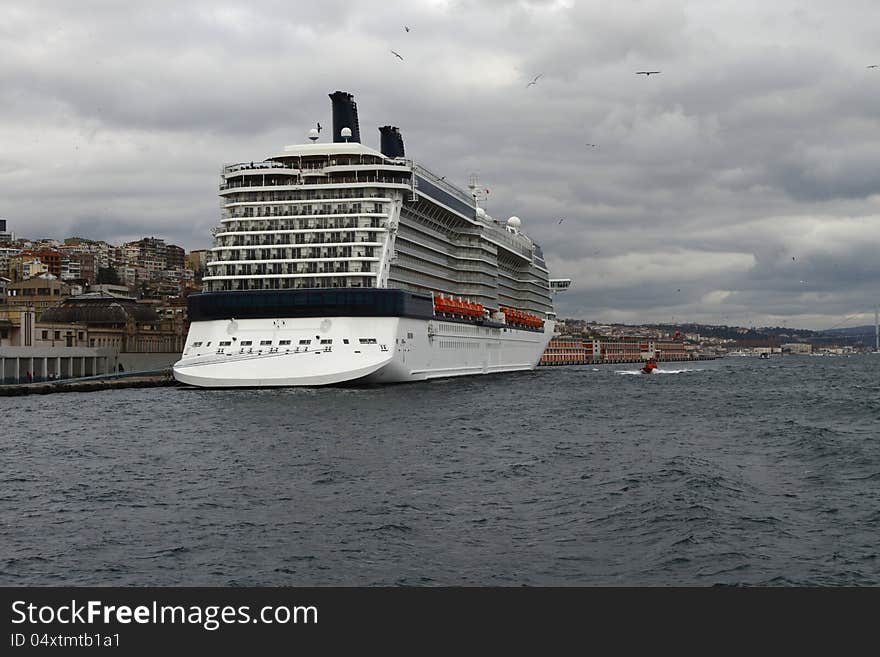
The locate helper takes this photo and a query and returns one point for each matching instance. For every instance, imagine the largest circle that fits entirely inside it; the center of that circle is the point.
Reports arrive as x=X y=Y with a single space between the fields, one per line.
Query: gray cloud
x=758 y=142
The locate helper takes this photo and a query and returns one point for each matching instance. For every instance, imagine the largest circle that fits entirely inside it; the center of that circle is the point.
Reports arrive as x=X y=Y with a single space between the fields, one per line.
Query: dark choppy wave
x=736 y=472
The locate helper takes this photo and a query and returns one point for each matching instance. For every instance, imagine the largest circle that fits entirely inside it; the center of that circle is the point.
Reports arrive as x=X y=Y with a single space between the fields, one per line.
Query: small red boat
x=650 y=366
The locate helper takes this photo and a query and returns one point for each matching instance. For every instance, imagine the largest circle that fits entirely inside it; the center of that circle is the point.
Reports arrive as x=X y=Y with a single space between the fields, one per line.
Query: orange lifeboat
x=457 y=308
x=518 y=318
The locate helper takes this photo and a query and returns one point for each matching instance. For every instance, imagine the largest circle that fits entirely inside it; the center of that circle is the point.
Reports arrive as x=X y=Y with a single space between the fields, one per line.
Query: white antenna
x=476 y=191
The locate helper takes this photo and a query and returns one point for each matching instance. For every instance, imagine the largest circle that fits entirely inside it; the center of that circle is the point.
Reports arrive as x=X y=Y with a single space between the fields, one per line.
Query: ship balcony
x=303 y=228
x=305 y=275
x=481 y=257
x=269 y=209
x=241 y=243
x=524 y=284
x=296 y=254
x=307 y=182
x=422 y=269
x=302 y=235
x=298 y=234
x=473 y=266
x=323 y=220
x=254 y=166
x=265 y=262
x=456 y=250
x=295 y=251
x=523 y=301
x=370 y=180
x=423 y=284
x=357 y=168
x=311 y=196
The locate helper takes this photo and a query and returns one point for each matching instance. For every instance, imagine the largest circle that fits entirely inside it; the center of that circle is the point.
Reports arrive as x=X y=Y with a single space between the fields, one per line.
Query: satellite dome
x=345 y=132
x=481 y=213
x=313 y=134
x=514 y=222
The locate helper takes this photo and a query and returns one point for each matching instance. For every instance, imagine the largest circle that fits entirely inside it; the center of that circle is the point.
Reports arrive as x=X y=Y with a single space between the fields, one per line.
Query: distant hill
x=772 y=335
x=850 y=335
x=851 y=330
x=765 y=336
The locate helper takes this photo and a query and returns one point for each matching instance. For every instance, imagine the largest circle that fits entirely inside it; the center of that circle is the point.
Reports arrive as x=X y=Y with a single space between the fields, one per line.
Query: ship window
x=344 y=340
x=197 y=344
x=409 y=335
x=367 y=340
x=263 y=343
x=225 y=343
x=246 y=343
x=283 y=342
x=326 y=341
x=305 y=342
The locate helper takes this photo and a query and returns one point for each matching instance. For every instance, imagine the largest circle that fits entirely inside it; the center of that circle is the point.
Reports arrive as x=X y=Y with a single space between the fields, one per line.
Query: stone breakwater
x=152 y=380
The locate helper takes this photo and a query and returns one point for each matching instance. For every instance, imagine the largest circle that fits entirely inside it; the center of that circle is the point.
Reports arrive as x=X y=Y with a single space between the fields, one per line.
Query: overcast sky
x=741 y=185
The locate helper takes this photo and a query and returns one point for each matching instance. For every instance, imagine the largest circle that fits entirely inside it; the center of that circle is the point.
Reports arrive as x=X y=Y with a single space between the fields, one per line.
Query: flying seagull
x=646 y=73
x=561 y=220
x=534 y=81
x=319 y=126
x=397 y=55
x=874 y=66
x=406 y=27
x=593 y=145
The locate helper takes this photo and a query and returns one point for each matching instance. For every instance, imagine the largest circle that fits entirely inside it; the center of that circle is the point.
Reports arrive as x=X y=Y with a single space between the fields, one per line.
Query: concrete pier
x=93 y=384
x=39 y=364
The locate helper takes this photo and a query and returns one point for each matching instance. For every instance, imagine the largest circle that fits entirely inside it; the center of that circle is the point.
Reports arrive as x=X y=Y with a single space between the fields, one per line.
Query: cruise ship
x=334 y=262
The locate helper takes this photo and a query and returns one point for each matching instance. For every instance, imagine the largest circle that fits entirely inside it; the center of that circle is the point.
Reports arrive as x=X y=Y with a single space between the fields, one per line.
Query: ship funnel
x=391 y=142
x=345 y=115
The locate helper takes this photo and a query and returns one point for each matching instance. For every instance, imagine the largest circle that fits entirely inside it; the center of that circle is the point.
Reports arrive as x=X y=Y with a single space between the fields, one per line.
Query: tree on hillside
x=107 y=275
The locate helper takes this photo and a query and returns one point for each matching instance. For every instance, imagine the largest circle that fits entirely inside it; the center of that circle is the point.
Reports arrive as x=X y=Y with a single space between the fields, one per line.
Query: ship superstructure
x=330 y=235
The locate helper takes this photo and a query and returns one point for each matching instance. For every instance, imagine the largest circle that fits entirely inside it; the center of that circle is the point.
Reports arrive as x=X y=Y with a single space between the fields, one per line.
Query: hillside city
x=130 y=299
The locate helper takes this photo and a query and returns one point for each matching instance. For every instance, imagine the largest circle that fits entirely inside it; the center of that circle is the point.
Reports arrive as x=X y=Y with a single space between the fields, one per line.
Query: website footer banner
x=137 y=620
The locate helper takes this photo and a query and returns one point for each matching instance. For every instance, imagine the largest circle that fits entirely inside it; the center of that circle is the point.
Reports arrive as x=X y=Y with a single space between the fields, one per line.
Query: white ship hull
x=363 y=349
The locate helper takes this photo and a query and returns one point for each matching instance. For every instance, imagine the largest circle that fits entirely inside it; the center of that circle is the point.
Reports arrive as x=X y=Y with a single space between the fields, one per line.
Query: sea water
x=737 y=471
